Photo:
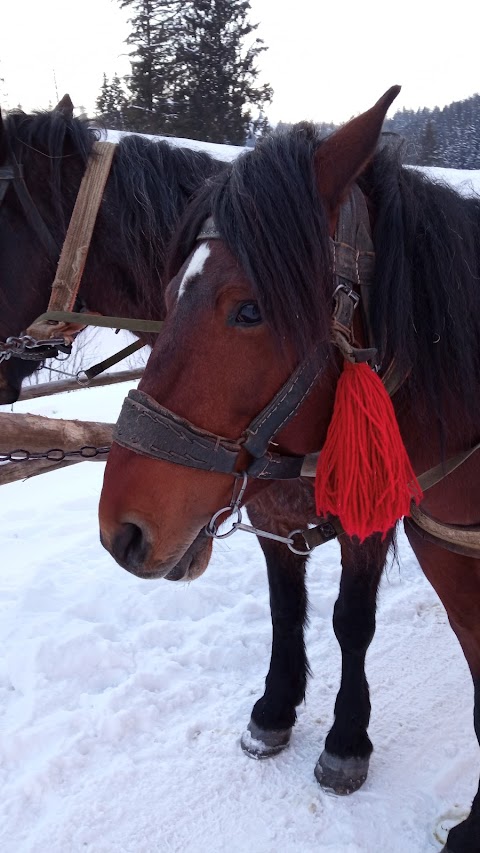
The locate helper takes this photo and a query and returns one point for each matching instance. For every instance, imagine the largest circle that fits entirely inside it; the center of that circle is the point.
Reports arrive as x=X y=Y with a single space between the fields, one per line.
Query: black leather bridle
x=152 y=430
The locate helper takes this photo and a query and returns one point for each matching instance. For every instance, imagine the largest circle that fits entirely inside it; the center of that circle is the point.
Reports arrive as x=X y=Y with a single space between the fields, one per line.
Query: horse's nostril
x=130 y=547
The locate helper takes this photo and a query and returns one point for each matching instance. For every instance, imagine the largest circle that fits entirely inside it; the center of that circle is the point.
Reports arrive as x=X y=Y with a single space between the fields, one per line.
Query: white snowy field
x=122 y=701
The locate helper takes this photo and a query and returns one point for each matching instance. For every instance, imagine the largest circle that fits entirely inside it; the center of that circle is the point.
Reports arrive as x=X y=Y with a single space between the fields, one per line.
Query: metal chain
x=55 y=454
x=25 y=347
x=213 y=530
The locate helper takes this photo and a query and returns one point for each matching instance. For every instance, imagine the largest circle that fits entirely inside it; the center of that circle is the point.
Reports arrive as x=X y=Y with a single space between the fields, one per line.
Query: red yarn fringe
x=364 y=475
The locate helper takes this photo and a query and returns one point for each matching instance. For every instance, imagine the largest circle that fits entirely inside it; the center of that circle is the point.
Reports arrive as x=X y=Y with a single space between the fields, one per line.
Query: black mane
x=153 y=182
x=267 y=210
x=425 y=305
x=150 y=184
x=54 y=136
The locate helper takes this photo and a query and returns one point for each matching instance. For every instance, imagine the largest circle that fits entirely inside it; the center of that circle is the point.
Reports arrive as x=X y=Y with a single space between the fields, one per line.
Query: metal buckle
x=355 y=297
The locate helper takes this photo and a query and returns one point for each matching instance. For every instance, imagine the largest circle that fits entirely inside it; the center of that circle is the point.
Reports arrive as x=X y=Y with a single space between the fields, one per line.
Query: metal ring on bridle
x=212 y=529
x=82 y=378
x=298 y=532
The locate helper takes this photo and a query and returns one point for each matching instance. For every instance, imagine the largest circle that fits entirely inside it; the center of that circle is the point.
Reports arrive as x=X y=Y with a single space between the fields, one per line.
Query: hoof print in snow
x=341 y=775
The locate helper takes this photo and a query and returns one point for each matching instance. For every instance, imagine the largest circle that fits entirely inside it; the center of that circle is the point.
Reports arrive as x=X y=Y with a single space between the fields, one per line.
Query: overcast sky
x=326 y=61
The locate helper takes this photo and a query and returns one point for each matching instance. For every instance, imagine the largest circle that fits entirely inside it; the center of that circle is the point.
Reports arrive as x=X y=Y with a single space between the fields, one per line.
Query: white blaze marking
x=195 y=267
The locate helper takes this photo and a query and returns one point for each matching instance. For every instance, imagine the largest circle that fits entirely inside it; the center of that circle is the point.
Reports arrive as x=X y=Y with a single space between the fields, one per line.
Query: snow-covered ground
x=122 y=701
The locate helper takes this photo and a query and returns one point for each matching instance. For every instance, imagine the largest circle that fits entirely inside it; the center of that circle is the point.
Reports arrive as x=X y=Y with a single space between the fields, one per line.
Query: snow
x=221 y=152
x=122 y=701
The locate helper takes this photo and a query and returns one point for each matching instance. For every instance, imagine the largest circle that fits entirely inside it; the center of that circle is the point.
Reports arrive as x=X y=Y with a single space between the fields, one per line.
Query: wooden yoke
x=75 y=247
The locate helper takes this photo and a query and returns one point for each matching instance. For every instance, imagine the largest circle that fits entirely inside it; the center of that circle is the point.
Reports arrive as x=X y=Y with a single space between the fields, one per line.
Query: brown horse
x=42 y=160
x=247 y=356
x=149 y=185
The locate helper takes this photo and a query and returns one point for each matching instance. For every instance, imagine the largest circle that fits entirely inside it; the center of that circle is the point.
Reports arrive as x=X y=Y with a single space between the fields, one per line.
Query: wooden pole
x=12 y=471
x=46 y=389
x=38 y=435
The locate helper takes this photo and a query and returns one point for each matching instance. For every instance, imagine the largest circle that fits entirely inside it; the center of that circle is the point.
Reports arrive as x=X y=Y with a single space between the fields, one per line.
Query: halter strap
x=13 y=172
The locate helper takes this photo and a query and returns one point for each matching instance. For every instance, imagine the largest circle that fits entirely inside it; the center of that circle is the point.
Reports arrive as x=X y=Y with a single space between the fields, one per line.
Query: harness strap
x=281 y=409
x=354 y=252
x=86 y=319
x=459 y=535
x=101 y=366
x=447 y=536
x=77 y=241
x=14 y=173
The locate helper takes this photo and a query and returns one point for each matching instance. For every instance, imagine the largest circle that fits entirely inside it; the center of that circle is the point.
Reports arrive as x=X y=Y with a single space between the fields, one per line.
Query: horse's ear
x=342 y=157
x=65 y=106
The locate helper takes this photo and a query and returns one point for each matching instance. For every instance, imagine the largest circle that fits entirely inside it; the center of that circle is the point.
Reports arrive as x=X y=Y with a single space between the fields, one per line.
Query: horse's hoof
x=263 y=743
x=341 y=775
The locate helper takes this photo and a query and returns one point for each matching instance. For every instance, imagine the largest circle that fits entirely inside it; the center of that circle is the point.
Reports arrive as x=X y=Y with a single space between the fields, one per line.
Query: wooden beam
x=12 y=471
x=39 y=434
x=46 y=389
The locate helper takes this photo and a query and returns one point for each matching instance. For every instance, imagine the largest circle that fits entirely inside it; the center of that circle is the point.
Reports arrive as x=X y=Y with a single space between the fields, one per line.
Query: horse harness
x=148 y=428
x=151 y=430
x=25 y=347
x=49 y=334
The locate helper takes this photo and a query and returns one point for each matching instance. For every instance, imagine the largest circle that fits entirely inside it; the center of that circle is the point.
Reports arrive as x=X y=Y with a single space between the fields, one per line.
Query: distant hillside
x=449 y=137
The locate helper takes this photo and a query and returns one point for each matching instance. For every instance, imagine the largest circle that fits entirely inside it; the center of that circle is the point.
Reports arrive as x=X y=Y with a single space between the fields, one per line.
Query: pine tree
x=456 y=129
x=193 y=72
x=111 y=103
x=428 y=154
x=156 y=28
x=216 y=72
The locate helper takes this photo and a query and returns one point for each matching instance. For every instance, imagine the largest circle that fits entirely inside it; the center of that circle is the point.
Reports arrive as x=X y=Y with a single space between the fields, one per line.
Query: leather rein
x=151 y=430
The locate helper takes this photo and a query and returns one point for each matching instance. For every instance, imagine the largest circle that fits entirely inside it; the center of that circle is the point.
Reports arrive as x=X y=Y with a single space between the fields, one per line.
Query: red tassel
x=364 y=475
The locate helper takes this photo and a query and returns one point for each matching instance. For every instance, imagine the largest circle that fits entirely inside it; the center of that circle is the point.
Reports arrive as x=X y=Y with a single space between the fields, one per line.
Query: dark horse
x=250 y=300
x=147 y=190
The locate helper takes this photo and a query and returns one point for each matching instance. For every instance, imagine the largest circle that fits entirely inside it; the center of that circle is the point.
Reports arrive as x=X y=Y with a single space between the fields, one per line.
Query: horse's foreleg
x=274 y=714
x=456 y=579
x=343 y=765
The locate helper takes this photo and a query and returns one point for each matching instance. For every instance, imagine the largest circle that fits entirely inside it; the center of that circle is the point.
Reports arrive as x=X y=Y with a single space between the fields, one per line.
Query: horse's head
x=36 y=153
x=249 y=307
x=149 y=185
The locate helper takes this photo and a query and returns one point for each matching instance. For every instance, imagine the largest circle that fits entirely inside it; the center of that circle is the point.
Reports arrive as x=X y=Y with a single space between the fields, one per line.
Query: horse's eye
x=248 y=315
